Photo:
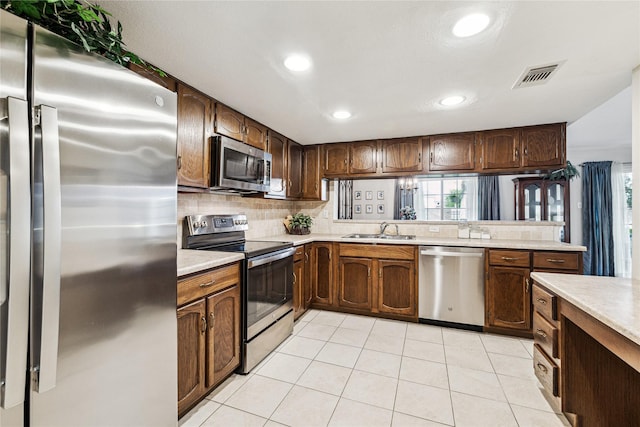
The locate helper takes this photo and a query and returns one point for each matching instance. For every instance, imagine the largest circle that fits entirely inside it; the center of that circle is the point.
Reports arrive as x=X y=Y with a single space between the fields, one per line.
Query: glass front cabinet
x=538 y=199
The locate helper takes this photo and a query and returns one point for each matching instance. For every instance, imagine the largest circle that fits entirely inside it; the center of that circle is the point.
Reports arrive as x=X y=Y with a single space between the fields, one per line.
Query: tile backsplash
x=265 y=218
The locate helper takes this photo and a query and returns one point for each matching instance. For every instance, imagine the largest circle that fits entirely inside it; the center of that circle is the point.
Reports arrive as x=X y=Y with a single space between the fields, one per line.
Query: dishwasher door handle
x=454 y=254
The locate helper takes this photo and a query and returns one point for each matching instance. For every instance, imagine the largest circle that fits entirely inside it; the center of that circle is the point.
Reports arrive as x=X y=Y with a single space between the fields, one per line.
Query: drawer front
x=556 y=260
x=377 y=251
x=545 y=335
x=546 y=371
x=207 y=283
x=509 y=258
x=544 y=303
x=299 y=254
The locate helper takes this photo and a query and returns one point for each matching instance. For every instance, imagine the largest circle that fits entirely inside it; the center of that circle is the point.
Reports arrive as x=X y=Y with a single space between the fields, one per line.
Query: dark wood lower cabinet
x=191 y=352
x=355 y=283
x=396 y=287
x=208 y=332
x=509 y=298
x=322 y=274
x=223 y=339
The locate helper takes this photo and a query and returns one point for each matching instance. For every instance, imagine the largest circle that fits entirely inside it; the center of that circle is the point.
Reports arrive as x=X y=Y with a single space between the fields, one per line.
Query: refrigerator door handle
x=52 y=237
x=19 y=219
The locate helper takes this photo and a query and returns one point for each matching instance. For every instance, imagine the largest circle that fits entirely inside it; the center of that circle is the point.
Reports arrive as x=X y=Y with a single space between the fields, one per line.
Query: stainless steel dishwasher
x=451 y=286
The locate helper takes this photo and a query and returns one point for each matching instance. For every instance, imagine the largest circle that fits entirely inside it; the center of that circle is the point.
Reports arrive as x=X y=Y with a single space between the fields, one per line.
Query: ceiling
x=389 y=62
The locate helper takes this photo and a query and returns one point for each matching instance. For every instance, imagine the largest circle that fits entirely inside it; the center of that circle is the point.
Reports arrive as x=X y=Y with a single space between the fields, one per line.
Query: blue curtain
x=597 y=218
x=488 y=197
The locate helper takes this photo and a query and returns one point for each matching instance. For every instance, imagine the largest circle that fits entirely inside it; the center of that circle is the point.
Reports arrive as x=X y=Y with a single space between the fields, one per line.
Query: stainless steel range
x=267 y=282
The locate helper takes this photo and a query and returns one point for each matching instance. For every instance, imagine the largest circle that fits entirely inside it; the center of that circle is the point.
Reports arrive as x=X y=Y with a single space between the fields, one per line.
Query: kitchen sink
x=381 y=236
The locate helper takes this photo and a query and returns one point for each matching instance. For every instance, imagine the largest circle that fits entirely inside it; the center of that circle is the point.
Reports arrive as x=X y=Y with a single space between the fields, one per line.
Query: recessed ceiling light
x=470 y=25
x=297 y=63
x=452 y=100
x=341 y=114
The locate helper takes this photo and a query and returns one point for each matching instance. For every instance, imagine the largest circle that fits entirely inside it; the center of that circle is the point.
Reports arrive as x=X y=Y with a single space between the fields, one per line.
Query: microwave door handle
x=16 y=113
x=52 y=237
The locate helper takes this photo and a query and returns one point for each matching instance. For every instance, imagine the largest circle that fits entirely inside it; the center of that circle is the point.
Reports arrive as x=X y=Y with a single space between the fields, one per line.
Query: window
x=447 y=199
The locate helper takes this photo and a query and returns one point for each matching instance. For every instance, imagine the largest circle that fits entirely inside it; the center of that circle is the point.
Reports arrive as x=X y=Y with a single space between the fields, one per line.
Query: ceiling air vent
x=534 y=76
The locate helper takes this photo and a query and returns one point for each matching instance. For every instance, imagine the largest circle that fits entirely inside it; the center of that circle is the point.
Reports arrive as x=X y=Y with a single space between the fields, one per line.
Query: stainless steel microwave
x=238 y=168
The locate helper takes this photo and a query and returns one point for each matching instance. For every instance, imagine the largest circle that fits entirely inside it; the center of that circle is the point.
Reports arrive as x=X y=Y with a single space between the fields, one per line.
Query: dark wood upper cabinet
x=194 y=130
x=401 y=155
x=500 y=149
x=311 y=180
x=235 y=125
x=335 y=160
x=166 y=82
x=294 y=170
x=452 y=152
x=363 y=157
x=229 y=122
x=255 y=134
x=544 y=145
x=277 y=146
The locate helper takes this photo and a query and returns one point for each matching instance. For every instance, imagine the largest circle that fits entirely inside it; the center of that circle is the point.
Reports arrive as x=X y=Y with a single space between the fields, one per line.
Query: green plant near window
x=454 y=198
x=81 y=22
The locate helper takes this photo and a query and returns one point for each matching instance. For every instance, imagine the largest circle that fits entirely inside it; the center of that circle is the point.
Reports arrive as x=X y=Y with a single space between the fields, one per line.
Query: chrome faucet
x=384 y=226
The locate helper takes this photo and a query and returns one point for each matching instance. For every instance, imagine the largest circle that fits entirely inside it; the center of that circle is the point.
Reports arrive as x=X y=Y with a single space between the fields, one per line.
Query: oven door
x=269 y=289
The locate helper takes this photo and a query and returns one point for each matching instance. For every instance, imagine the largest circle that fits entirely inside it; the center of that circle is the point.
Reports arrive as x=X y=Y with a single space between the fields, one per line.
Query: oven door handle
x=255 y=262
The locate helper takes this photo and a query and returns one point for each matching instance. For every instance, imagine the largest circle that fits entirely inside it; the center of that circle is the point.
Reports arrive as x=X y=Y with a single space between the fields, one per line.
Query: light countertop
x=614 y=301
x=192 y=261
x=544 y=245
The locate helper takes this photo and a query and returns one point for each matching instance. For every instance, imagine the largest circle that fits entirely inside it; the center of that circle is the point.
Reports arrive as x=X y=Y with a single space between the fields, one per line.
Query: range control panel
x=208 y=224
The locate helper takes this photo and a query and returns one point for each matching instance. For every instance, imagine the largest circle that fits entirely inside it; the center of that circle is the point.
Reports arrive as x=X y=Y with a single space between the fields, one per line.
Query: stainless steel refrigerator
x=88 y=240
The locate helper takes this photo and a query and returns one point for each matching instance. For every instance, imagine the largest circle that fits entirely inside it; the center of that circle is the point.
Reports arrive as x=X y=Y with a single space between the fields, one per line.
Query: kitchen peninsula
x=594 y=367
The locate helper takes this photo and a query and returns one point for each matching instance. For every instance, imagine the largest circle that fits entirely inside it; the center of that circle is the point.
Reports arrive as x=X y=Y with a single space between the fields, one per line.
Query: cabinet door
x=255 y=134
x=500 y=149
x=192 y=325
x=294 y=169
x=508 y=298
x=336 y=159
x=298 y=289
x=355 y=283
x=322 y=274
x=402 y=155
x=543 y=146
x=278 y=149
x=223 y=340
x=311 y=173
x=194 y=130
x=454 y=152
x=397 y=287
x=229 y=122
x=363 y=157
x=308 y=294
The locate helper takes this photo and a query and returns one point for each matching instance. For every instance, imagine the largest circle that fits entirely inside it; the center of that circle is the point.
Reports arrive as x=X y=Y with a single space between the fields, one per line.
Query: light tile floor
x=347 y=370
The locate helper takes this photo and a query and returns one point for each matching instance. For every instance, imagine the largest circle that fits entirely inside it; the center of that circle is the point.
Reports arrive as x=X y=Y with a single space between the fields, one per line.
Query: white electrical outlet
x=325 y=213
x=434 y=228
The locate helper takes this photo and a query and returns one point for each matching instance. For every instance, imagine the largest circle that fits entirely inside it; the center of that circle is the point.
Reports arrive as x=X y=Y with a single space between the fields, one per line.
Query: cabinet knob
x=541 y=333
x=212 y=318
x=204 y=324
x=542 y=367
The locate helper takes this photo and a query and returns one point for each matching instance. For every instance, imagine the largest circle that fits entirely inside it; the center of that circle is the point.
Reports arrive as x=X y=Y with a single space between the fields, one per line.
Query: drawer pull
x=508 y=258
x=542 y=368
x=541 y=333
x=555 y=261
x=542 y=301
x=206 y=285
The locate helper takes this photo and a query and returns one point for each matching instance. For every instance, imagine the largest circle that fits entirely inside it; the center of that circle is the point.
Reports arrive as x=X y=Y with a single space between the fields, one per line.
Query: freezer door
x=15 y=218
x=103 y=341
